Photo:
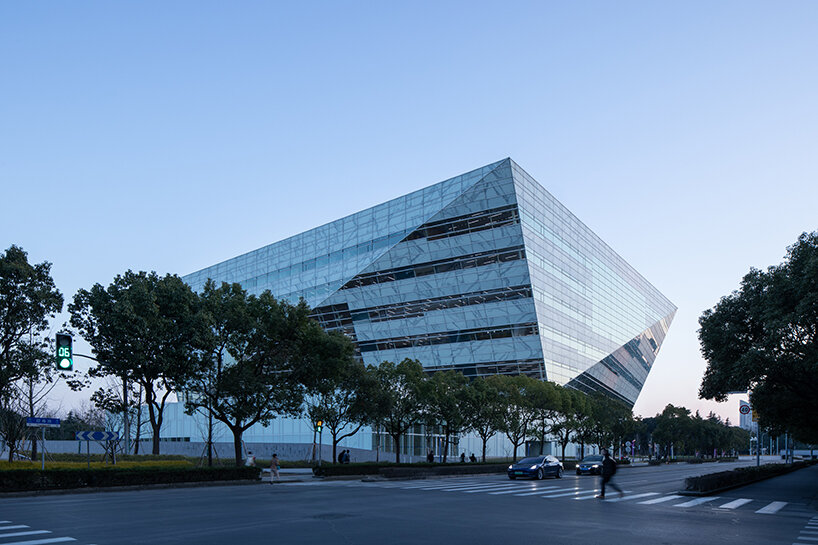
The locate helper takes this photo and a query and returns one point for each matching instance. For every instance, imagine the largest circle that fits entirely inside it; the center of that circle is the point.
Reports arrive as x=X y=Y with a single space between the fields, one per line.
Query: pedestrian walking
x=275 y=467
x=473 y=458
x=608 y=470
x=430 y=457
x=346 y=457
x=462 y=457
x=251 y=460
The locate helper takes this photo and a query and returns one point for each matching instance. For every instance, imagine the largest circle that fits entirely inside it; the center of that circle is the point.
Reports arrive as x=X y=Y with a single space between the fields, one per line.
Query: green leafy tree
x=340 y=395
x=142 y=328
x=483 y=410
x=518 y=410
x=563 y=423
x=28 y=299
x=401 y=386
x=256 y=358
x=764 y=337
x=447 y=404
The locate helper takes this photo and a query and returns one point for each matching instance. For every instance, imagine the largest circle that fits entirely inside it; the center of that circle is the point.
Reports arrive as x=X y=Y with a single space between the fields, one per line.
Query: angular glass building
x=483 y=273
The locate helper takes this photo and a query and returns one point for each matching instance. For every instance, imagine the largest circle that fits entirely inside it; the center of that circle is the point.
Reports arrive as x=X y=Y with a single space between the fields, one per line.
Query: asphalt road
x=470 y=510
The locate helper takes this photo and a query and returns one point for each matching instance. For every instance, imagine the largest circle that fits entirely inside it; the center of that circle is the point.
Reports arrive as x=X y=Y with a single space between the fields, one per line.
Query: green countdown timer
x=65 y=352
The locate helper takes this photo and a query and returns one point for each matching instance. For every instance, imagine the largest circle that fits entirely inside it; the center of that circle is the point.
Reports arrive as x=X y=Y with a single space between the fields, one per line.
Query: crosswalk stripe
x=808 y=538
x=735 y=503
x=513 y=490
x=589 y=496
x=477 y=487
x=15 y=527
x=634 y=497
x=574 y=492
x=809 y=532
x=510 y=487
x=697 y=501
x=773 y=507
x=41 y=541
x=29 y=533
x=660 y=500
x=542 y=491
x=448 y=485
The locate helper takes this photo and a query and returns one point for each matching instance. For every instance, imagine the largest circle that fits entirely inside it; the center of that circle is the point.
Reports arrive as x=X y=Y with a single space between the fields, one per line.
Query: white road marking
x=29 y=533
x=660 y=500
x=477 y=487
x=772 y=508
x=485 y=489
x=15 y=527
x=808 y=538
x=543 y=490
x=41 y=541
x=697 y=501
x=735 y=503
x=517 y=490
x=634 y=497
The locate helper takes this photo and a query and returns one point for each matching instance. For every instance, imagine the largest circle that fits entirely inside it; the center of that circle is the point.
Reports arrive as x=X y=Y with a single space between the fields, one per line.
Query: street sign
x=97 y=435
x=744 y=409
x=35 y=422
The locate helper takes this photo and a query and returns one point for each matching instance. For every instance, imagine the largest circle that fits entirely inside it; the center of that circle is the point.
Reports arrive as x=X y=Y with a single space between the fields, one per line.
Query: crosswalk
x=564 y=490
x=21 y=534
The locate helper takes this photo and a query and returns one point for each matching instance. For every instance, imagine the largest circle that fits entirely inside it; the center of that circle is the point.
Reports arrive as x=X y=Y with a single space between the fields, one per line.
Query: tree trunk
x=446 y=446
x=396 y=439
x=34 y=445
x=334 y=447
x=209 y=438
x=237 y=444
x=563 y=445
x=485 y=440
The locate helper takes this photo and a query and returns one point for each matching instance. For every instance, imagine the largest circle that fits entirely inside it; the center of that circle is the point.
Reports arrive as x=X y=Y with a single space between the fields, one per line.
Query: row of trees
x=243 y=359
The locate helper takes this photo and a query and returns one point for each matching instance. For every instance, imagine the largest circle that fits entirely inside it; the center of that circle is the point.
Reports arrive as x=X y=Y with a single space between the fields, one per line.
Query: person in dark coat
x=608 y=470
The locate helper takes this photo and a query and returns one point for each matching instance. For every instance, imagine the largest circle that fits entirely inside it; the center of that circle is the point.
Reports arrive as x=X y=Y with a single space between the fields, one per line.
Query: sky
x=170 y=136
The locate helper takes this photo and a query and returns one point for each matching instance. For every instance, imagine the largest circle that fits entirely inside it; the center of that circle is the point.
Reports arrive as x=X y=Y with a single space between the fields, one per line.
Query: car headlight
x=595 y=466
x=533 y=467
x=510 y=467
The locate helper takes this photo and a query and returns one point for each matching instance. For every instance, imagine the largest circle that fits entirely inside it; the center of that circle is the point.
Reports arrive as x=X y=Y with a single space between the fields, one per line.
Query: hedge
x=54 y=479
x=738 y=477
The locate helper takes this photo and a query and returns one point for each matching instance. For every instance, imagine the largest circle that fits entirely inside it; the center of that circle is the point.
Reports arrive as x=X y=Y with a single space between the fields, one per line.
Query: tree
x=672 y=429
x=563 y=420
x=340 y=396
x=28 y=298
x=446 y=404
x=518 y=411
x=401 y=386
x=764 y=338
x=483 y=410
x=142 y=328
x=39 y=378
x=256 y=359
x=545 y=399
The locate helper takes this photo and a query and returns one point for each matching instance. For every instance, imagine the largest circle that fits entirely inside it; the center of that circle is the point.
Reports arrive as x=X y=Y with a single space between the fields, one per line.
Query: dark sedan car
x=537 y=467
x=590 y=465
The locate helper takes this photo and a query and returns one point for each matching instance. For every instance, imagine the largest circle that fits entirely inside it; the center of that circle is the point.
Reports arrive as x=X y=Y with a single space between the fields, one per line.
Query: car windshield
x=526 y=461
x=589 y=459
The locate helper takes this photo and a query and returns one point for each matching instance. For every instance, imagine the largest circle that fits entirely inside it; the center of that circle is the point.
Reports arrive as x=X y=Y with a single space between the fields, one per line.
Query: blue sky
x=170 y=136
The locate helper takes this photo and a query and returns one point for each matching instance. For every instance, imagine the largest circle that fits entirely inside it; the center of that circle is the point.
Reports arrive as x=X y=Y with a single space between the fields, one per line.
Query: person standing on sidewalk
x=608 y=470
x=275 y=467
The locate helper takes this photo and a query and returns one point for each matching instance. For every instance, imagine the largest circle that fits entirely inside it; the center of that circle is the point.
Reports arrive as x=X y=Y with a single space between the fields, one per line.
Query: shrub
x=738 y=477
x=654 y=462
x=52 y=479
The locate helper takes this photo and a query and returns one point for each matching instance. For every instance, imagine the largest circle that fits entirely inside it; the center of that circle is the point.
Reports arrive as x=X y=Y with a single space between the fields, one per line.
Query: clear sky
x=169 y=136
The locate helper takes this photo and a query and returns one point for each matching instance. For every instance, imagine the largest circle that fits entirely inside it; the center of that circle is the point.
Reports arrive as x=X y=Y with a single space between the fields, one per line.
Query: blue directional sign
x=97 y=435
x=36 y=422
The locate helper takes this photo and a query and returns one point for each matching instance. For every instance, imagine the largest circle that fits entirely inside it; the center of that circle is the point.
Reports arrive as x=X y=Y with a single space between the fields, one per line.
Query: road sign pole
x=43 y=453
x=320 y=446
x=88 y=452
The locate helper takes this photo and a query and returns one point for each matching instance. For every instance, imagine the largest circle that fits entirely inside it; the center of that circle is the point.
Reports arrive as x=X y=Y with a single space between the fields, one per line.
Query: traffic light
x=319 y=425
x=65 y=352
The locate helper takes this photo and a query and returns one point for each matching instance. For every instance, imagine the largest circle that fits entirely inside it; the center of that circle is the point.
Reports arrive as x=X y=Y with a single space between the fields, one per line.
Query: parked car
x=590 y=465
x=536 y=467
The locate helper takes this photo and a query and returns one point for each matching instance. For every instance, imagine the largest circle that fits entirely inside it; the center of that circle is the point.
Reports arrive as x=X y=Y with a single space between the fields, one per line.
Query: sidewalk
x=289 y=474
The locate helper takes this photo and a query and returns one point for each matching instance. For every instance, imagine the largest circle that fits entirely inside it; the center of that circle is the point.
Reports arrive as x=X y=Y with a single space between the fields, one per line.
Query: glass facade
x=484 y=273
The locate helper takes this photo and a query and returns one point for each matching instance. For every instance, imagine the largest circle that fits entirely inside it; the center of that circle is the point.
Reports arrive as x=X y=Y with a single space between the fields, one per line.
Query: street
x=468 y=510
